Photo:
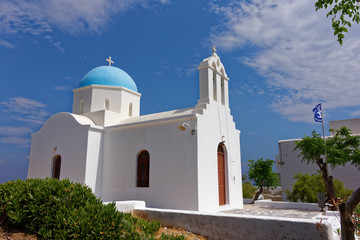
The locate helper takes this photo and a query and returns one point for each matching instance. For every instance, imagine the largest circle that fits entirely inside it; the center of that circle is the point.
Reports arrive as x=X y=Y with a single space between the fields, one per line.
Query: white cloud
x=42 y=17
x=58 y=46
x=292 y=46
x=24 y=110
x=159 y=73
x=11 y=131
x=6 y=44
x=20 y=141
x=63 y=88
x=187 y=70
x=355 y=114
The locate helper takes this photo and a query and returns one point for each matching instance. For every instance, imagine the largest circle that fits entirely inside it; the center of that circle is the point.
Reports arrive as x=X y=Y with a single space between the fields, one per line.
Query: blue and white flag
x=317 y=113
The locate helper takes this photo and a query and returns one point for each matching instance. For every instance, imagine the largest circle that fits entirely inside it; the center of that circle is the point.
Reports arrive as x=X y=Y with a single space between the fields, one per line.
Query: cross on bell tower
x=214 y=48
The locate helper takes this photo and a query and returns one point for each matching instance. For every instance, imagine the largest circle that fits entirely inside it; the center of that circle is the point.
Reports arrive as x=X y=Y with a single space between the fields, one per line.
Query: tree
x=261 y=173
x=342 y=12
x=342 y=148
x=346 y=211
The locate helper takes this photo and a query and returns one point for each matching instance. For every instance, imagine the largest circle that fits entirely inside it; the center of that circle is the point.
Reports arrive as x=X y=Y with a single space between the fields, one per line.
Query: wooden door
x=221 y=175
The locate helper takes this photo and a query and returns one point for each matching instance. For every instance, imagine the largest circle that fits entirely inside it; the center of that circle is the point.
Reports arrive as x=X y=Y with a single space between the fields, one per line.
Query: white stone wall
x=94 y=97
x=244 y=227
x=353 y=124
x=215 y=126
x=94 y=160
x=85 y=95
x=61 y=134
x=173 y=164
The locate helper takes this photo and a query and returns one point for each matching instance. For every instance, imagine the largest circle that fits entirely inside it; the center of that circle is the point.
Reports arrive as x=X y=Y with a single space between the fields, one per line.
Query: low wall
x=241 y=227
x=248 y=200
x=128 y=206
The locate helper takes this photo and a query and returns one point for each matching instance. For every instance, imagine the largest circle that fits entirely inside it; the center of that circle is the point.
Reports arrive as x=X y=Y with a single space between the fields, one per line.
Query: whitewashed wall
x=94 y=161
x=61 y=134
x=94 y=99
x=212 y=125
x=173 y=165
x=353 y=124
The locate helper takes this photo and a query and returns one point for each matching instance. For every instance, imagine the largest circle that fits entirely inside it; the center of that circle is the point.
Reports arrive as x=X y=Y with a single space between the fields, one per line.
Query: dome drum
x=106 y=90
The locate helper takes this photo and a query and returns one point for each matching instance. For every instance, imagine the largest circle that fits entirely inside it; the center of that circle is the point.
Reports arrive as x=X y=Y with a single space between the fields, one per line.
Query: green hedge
x=55 y=209
x=307 y=186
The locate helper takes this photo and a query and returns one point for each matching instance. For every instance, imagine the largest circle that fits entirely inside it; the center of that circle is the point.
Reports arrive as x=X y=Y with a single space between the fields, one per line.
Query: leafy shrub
x=307 y=186
x=248 y=189
x=55 y=209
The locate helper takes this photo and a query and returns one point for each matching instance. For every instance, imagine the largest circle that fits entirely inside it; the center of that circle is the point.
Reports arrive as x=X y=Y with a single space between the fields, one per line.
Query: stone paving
x=262 y=211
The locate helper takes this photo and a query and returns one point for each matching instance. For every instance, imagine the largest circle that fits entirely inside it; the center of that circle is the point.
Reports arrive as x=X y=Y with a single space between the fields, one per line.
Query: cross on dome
x=109 y=60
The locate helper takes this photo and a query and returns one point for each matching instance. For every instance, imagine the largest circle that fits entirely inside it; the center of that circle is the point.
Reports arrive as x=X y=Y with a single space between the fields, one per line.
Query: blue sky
x=280 y=55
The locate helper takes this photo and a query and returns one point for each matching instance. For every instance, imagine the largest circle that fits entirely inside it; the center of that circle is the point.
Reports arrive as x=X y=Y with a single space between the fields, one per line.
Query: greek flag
x=317 y=113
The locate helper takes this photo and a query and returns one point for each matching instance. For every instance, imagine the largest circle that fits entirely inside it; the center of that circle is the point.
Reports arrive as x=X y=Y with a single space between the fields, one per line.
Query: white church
x=185 y=159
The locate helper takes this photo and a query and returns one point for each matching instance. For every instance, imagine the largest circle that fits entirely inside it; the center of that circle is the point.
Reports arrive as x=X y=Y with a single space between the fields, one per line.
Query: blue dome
x=109 y=76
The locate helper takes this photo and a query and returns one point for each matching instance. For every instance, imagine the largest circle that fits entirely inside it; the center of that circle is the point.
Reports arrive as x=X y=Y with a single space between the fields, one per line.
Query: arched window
x=81 y=106
x=56 y=167
x=107 y=103
x=130 y=109
x=143 y=169
x=221 y=174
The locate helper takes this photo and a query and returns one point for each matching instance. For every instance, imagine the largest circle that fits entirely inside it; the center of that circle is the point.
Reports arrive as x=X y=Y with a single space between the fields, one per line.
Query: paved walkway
x=262 y=211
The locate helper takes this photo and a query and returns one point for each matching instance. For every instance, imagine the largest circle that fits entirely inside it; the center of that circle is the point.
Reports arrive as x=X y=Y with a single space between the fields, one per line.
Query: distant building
x=288 y=164
x=182 y=159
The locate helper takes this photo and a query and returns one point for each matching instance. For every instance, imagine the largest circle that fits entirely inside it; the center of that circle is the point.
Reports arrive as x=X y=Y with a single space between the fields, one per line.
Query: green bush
x=55 y=209
x=248 y=189
x=307 y=186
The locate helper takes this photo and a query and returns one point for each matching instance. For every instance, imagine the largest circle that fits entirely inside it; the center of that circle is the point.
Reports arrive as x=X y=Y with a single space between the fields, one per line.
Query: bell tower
x=213 y=80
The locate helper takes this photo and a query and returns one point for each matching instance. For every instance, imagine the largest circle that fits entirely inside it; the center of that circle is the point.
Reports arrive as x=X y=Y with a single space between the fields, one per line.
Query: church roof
x=156 y=117
x=109 y=76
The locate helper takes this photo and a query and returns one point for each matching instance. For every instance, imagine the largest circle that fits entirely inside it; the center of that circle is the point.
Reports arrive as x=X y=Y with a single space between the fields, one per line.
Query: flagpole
x=322 y=122
x=319 y=116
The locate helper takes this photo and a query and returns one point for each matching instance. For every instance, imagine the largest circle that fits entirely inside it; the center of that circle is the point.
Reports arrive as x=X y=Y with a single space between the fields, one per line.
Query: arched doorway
x=143 y=169
x=221 y=174
x=56 y=167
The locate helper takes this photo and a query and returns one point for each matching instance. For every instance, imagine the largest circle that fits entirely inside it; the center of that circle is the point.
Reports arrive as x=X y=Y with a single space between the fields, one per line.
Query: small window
x=143 y=169
x=130 y=110
x=107 y=103
x=81 y=106
x=56 y=167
